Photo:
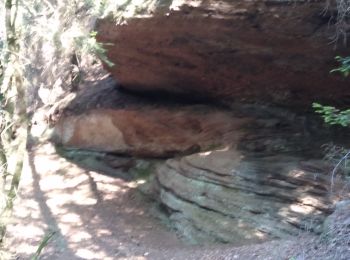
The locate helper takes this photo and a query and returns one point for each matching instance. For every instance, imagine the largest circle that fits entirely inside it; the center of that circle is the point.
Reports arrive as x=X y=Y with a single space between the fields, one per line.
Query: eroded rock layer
x=275 y=52
x=224 y=196
x=237 y=176
x=149 y=132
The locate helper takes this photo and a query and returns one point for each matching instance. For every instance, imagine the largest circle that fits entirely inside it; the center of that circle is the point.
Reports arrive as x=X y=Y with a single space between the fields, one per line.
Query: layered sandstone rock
x=274 y=52
x=149 y=132
x=225 y=196
x=234 y=178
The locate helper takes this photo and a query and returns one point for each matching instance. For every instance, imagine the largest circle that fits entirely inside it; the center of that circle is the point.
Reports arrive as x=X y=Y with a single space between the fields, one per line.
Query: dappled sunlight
x=262 y=197
x=31 y=209
x=107 y=184
x=81 y=197
x=223 y=7
x=91 y=254
x=58 y=182
x=104 y=232
x=55 y=164
x=308 y=200
x=134 y=8
x=260 y=235
x=305 y=210
x=176 y=4
x=207 y=153
x=109 y=190
x=145 y=8
x=71 y=217
x=296 y=173
x=84 y=208
x=56 y=204
x=26 y=248
x=135 y=184
x=30 y=231
x=306 y=203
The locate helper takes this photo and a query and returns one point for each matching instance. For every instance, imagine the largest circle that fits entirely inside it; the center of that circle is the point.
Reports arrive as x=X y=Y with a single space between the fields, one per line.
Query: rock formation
x=238 y=176
x=269 y=52
x=242 y=175
x=225 y=196
x=153 y=132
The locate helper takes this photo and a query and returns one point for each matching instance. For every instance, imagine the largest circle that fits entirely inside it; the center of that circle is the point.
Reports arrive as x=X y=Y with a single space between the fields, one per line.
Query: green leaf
x=44 y=242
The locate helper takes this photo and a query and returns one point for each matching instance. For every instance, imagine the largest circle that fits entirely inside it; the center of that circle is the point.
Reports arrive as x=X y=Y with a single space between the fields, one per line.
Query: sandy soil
x=100 y=217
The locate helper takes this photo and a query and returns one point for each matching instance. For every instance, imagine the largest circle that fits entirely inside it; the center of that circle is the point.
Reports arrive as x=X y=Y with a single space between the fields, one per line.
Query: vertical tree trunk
x=14 y=126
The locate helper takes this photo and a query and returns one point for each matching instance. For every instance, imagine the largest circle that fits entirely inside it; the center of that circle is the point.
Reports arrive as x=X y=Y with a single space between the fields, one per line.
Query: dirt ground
x=100 y=217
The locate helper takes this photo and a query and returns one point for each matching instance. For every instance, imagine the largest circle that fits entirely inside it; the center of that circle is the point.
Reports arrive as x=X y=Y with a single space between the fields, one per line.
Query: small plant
x=338 y=157
x=89 y=44
x=332 y=115
x=334 y=154
x=344 y=67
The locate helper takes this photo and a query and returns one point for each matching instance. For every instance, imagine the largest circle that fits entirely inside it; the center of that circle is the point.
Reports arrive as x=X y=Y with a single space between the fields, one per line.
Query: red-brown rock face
x=261 y=51
x=149 y=132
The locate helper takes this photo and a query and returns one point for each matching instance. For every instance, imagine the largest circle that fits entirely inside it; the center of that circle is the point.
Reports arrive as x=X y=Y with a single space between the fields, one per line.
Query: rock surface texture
x=224 y=196
x=234 y=176
x=233 y=179
x=275 y=52
x=153 y=132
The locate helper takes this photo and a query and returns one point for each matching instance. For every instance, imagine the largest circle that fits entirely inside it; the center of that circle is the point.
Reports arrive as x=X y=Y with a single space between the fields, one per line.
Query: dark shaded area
x=109 y=94
x=163 y=97
x=100 y=162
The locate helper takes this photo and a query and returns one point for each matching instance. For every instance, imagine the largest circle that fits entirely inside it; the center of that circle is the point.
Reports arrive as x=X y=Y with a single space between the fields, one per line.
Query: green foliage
x=332 y=115
x=344 y=67
x=89 y=44
x=44 y=242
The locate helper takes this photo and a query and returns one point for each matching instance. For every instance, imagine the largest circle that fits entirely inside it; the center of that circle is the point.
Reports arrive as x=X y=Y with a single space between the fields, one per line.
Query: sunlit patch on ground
x=93 y=215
